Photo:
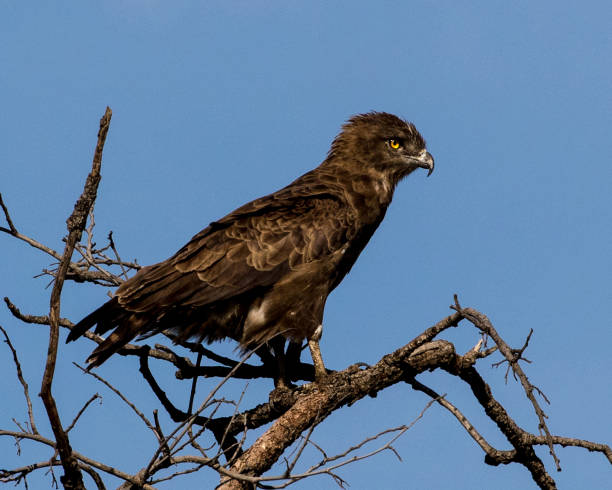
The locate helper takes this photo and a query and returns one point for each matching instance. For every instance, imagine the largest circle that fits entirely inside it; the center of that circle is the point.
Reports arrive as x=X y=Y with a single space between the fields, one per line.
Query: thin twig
x=95 y=396
x=86 y=254
x=12 y=230
x=119 y=261
x=134 y=408
x=21 y=379
x=320 y=468
x=166 y=460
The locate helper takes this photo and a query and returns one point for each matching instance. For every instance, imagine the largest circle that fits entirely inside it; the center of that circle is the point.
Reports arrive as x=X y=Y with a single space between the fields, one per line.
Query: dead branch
x=37 y=319
x=95 y=396
x=80 y=457
x=12 y=230
x=26 y=391
x=77 y=271
x=491 y=453
x=72 y=478
x=141 y=415
x=315 y=402
x=481 y=322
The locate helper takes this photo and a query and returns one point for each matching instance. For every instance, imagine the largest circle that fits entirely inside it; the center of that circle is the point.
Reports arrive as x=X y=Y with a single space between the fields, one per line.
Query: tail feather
x=125 y=332
x=101 y=315
x=109 y=316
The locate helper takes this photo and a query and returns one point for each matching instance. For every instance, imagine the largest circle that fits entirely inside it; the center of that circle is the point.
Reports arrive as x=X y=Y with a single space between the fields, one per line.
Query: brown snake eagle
x=262 y=273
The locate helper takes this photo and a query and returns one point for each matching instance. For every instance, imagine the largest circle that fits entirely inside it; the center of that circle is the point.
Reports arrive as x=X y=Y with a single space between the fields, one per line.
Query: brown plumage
x=265 y=270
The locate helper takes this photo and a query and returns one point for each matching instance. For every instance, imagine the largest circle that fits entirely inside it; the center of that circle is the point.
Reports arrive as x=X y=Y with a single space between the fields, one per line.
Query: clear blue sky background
x=216 y=103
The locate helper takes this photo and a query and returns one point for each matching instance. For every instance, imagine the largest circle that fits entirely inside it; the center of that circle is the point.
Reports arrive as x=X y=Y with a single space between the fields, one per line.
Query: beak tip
x=428 y=162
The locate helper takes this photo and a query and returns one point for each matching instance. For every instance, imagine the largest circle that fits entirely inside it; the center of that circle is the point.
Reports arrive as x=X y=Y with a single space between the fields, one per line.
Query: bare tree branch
x=38 y=319
x=95 y=396
x=84 y=459
x=12 y=230
x=492 y=453
x=484 y=324
x=142 y=416
x=72 y=478
x=316 y=402
x=21 y=379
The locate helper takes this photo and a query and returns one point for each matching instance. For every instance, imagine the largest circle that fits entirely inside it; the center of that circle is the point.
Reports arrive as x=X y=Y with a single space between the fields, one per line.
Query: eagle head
x=383 y=141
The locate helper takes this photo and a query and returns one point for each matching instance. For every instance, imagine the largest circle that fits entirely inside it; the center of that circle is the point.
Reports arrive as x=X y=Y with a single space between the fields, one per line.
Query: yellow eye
x=394 y=144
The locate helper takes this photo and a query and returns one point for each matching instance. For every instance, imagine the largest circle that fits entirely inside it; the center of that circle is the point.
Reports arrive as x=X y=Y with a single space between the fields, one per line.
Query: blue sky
x=216 y=103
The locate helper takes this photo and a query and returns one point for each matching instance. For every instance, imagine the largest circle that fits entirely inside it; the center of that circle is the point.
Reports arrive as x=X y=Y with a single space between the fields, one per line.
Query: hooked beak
x=424 y=160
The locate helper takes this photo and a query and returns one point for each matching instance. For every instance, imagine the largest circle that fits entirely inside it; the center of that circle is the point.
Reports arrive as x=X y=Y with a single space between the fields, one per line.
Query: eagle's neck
x=365 y=189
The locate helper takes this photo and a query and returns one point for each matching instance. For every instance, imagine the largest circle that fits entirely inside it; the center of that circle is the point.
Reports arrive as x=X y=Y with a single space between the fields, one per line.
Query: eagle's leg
x=281 y=380
x=317 y=360
x=315 y=352
x=292 y=359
